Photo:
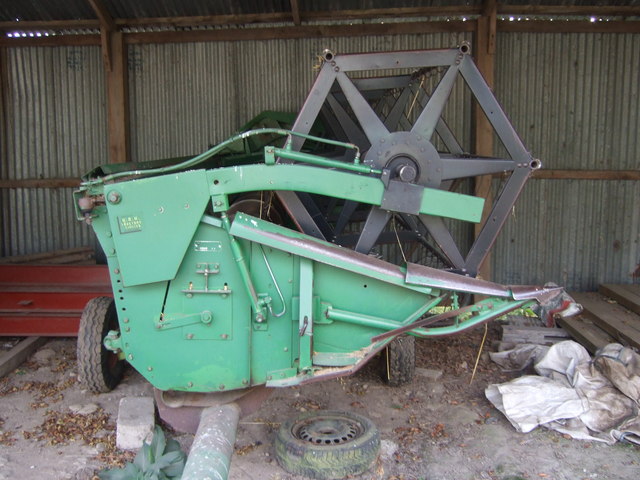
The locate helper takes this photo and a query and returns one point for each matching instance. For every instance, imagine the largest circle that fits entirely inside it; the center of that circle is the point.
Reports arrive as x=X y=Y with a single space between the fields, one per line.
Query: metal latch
x=207 y=269
x=164 y=322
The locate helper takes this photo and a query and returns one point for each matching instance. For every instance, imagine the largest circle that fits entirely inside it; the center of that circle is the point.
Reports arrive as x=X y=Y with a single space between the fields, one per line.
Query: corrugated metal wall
x=184 y=97
x=56 y=128
x=574 y=99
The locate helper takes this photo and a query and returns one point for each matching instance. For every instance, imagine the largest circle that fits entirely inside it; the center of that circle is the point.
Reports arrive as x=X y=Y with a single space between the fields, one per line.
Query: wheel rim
x=327 y=430
x=112 y=361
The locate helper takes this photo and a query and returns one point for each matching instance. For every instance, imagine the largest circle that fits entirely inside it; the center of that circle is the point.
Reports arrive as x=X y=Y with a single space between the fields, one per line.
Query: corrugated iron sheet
x=55 y=109
x=574 y=99
x=185 y=97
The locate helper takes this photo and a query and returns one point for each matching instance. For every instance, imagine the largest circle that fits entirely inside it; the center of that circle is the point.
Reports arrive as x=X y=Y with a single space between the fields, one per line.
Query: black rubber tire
x=398 y=362
x=99 y=370
x=327 y=445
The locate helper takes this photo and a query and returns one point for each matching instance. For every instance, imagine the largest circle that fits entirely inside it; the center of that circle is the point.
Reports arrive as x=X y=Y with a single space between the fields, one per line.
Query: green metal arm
x=340 y=184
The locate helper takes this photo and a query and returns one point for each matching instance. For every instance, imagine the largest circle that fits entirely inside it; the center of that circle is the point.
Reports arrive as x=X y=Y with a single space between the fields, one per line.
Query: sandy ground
x=433 y=429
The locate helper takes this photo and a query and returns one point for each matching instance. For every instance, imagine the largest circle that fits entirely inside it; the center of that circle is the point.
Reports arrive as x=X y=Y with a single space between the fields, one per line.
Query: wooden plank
x=569 y=26
x=51 y=41
x=538 y=335
x=48 y=25
x=564 y=10
x=587 y=174
x=614 y=319
x=41 y=183
x=626 y=295
x=586 y=333
x=12 y=359
x=196 y=20
x=303 y=31
x=402 y=12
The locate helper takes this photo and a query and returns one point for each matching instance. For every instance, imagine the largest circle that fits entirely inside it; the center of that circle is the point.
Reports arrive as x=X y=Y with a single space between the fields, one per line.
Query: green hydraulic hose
x=217 y=149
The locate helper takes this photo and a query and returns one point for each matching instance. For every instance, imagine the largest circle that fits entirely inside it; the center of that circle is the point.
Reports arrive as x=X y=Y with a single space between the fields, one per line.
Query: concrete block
x=136 y=419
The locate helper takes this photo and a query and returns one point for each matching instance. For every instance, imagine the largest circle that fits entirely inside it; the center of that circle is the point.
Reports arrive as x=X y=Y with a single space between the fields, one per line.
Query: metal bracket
x=402 y=197
x=164 y=322
x=113 y=341
x=207 y=269
x=260 y=323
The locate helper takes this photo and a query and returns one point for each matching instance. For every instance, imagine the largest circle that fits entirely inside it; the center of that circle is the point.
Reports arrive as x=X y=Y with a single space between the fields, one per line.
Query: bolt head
x=114 y=197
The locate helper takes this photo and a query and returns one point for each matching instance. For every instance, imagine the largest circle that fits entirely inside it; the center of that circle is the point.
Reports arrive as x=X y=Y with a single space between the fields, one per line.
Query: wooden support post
x=117 y=99
x=114 y=58
x=485 y=59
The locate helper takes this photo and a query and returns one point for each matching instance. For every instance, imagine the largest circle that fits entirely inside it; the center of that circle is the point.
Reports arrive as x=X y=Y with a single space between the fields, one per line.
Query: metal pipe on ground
x=210 y=454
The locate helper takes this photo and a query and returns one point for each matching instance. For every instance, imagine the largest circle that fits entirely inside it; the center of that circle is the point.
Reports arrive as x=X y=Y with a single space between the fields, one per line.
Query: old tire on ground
x=327 y=445
x=99 y=369
x=398 y=363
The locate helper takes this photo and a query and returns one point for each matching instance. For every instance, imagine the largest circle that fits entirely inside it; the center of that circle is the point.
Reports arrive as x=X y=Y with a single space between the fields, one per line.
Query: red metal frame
x=47 y=300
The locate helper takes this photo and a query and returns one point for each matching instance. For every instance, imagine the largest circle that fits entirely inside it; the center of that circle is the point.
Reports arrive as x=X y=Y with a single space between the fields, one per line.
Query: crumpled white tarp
x=589 y=399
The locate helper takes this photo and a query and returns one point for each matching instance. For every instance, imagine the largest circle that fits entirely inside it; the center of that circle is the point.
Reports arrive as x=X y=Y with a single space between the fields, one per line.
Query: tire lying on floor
x=327 y=444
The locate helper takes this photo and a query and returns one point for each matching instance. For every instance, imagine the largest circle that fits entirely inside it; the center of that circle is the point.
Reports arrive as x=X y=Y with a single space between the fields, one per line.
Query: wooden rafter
x=103 y=14
x=295 y=12
x=570 y=10
x=296 y=16
x=569 y=26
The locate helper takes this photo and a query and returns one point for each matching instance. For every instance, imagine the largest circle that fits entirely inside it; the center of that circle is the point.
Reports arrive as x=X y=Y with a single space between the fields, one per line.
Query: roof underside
x=122 y=11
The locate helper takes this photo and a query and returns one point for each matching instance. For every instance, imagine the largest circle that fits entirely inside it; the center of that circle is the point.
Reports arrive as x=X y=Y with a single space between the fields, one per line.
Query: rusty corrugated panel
x=574 y=100
x=55 y=109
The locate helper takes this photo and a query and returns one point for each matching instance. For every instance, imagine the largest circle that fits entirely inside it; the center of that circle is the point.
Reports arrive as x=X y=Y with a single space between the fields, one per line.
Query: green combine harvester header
x=235 y=272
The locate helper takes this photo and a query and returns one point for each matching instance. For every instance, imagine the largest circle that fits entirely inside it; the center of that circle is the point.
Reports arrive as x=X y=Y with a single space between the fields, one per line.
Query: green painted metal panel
x=266 y=233
x=334 y=183
x=153 y=220
x=205 y=349
x=274 y=346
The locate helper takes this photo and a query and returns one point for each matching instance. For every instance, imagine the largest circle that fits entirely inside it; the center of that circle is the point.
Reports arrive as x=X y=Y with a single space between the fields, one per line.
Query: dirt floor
x=440 y=427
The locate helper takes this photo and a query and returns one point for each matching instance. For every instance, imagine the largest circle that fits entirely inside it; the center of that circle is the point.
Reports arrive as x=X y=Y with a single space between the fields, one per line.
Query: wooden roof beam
x=107 y=26
x=295 y=12
x=206 y=20
x=103 y=14
x=50 y=25
x=454 y=10
x=570 y=10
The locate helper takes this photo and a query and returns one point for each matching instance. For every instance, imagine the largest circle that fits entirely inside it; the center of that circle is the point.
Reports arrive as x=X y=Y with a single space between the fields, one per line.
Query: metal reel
x=397 y=120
